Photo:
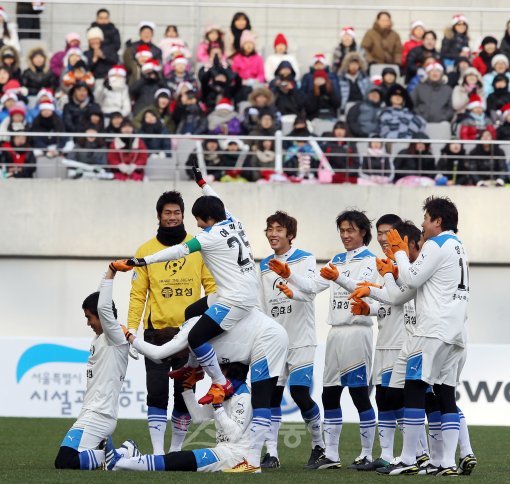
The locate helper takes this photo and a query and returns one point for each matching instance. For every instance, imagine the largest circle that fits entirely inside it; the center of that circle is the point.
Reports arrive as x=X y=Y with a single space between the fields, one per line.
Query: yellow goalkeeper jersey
x=162 y=291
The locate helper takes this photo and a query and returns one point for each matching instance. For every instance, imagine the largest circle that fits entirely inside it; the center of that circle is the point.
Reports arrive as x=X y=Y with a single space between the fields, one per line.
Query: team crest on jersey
x=174 y=266
x=275 y=311
x=167 y=292
x=381 y=313
x=346 y=273
x=278 y=280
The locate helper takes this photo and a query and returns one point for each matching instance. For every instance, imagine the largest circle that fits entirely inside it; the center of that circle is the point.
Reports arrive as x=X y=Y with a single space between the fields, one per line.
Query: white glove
x=123 y=168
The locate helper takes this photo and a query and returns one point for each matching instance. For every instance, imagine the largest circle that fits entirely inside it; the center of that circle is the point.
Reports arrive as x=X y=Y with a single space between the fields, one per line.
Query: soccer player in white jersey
x=226 y=253
x=440 y=277
x=232 y=419
x=298 y=319
x=106 y=369
x=350 y=339
x=257 y=341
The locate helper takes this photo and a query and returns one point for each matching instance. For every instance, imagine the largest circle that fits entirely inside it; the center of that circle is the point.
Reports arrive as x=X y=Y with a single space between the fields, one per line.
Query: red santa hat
x=348 y=31
x=417 y=23
x=224 y=103
x=117 y=70
x=280 y=39
x=146 y=23
x=3 y=14
x=18 y=108
x=143 y=51
x=475 y=101
x=73 y=36
x=460 y=17
x=45 y=106
x=45 y=92
x=180 y=59
x=9 y=95
x=319 y=58
x=505 y=109
x=376 y=79
x=151 y=65
x=434 y=66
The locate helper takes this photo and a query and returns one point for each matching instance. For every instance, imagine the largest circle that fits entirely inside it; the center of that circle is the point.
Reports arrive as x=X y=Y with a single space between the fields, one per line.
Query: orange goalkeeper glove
x=360 y=307
x=281 y=268
x=196 y=375
x=360 y=292
x=396 y=242
x=368 y=284
x=385 y=266
x=330 y=272
x=120 y=265
x=285 y=289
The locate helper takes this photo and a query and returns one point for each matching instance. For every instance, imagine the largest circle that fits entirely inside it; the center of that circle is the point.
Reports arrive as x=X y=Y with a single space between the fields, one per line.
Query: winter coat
x=203 y=55
x=346 y=82
x=378 y=168
x=416 y=58
x=472 y=128
x=452 y=44
x=173 y=81
x=342 y=156
x=249 y=66
x=165 y=118
x=252 y=115
x=111 y=35
x=112 y=100
x=212 y=91
x=57 y=62
x=222 y=121
x=34 y=79
x=482 y=62
x=142 y=92
x=408 y=46
x=433 y=101
x=74 y=115
x=339 y=55
x=274 y=60
x=452 y=162
x=189 y=119
x=421 y=164
x=400 y=123
x=91 y=157
x=13 y=40
x=118 y=156
x=129 y=60
x=488 y=79
x=503 y=131
x=495 y=102
x=19 y=157
x=382 y=46
x=14 y=68
x=307 y=81
x=48 y=125
x=156 y=145
x=293 y=155
x=504 y=47
x=101 y=67
x=292 y=102
x=363 y=119
x=324 y=105
x=489 y=160
x=460 y=95
x=171 y=45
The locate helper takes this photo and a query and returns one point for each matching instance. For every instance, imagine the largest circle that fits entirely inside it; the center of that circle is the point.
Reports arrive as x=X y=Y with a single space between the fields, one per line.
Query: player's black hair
x=285 y=220
x=235 y=371
x=207 y=207
x=388 y=219
x=355 y=217
x=172 y=197
x=442 y=207
x=103 y=10
x=90 y=303
x=413 y=233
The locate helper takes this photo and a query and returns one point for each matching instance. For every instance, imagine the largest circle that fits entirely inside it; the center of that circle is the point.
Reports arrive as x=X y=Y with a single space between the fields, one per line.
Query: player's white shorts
x=433 y=361
x=222 y=457
x=89 y=430
x=269 y=354
x=224 y=314
x=348 y=356
x=462 y=362
x=384 y=360
x=298 y=369
x=398 y=373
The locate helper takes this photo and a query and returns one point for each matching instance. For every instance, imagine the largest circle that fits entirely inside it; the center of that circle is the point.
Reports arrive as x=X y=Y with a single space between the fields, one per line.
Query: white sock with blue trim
x=180 y=424
x=145 y=463
x=450 y=429
x=367 y=432
x=332 y=430
x=423 y=446
x=312 y=418
x=208 y=360
x=259 y=427
x=464 y=440
x=414 y=420
x=435 y=438
x=274 y=429
x=156 y=420
x=91 y=459
x=386 y=429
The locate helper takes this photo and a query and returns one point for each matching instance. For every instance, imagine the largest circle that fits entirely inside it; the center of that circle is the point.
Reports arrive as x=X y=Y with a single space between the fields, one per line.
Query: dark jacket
x=111 y=35
x=213 y=90
x=142 y=92
x=75 y=115
x=489 y=159
x=189 y=119
x=307 y=81
x=363 y=119
x=452 y=162
x=433 y=101
x=35 y=78
x=342 y=156
x=155 y=144
x=20 y=157
x=322 y=103
x=92 y=157
x=451 y=46
x=103 y=65
x=415 y=163
x=48 y=125
x=416 y=58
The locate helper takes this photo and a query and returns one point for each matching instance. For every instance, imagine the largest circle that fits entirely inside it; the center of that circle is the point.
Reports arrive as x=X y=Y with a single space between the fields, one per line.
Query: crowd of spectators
x=146 y=87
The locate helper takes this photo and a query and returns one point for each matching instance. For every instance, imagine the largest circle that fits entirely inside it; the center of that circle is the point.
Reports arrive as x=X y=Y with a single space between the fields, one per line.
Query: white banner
x=46 y=378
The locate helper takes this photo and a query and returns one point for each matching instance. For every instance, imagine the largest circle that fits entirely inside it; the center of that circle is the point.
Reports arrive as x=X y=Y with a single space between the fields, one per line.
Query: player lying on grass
x=106 y=369
x=257 y=341
x=226 y=253
x=231 y=417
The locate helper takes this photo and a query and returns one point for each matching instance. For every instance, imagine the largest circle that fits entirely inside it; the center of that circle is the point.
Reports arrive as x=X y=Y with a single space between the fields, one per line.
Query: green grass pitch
x=28 y=447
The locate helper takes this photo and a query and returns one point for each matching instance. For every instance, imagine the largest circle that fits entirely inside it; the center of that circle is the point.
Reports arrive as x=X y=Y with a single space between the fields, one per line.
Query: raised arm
x=170 y=253
x=157 y=353
x=240 y=417
x=416 y=274
x=199 y=413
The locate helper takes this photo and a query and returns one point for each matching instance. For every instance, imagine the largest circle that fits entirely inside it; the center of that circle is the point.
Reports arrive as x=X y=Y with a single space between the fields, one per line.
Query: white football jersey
x=354 y=266
x=108 y=360
x=227 y=254
x=297 y=317
x=441 y=278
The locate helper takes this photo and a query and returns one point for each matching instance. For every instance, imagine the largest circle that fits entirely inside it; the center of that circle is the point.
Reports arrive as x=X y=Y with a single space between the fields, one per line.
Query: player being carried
x=350 y=340
x=106 y=369
x=226 y=253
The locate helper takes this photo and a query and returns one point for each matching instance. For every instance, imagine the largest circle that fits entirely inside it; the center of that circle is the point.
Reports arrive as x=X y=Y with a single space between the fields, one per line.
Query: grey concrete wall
x=108 y=219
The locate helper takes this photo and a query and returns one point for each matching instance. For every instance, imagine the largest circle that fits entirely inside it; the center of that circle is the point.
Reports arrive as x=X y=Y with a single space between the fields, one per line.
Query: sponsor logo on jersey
x=167 y=292
x=174 y=266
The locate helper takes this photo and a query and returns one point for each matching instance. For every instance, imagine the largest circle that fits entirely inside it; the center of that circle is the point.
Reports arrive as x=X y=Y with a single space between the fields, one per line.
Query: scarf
x=171 y=235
